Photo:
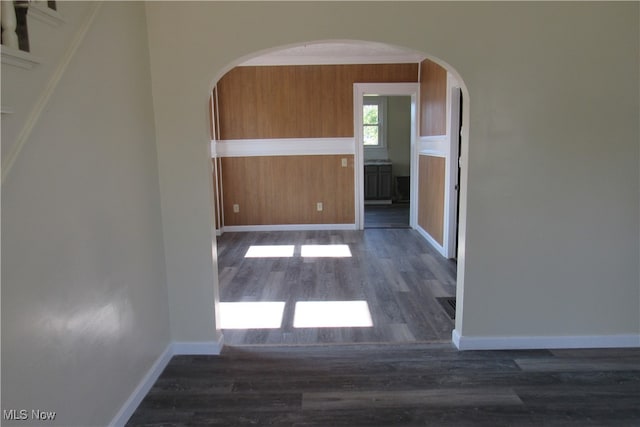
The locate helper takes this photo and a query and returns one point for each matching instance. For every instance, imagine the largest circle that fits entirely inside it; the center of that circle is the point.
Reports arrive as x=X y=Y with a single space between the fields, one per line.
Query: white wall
x=550 y=185
x=399 y=134
x=84 y=297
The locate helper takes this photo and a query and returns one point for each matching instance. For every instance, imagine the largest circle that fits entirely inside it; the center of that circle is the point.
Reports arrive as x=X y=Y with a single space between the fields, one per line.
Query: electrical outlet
x=319 y=206
x=236 y=208
x=344 y=162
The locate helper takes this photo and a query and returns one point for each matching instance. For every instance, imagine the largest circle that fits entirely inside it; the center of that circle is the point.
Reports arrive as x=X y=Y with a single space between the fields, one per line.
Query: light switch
x=344 y=162
x=236 y=208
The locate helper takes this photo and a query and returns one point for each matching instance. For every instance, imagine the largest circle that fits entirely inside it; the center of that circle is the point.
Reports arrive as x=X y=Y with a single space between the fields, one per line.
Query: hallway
x=386 y=216
x=313 y=287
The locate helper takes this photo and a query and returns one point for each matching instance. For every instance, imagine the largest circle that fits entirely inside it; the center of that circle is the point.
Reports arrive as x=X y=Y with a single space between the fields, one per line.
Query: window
x=372 y=121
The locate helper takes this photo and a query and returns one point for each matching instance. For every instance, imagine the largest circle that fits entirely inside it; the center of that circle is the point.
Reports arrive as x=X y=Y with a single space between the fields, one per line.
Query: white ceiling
x=337 y=53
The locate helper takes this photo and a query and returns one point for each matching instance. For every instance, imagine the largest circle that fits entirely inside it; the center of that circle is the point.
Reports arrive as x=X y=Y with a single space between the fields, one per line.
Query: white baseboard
x=544 y=342
x=289 y=227
x=213 y=348
x=437 y=246
x=152 y=375
x=132 y=403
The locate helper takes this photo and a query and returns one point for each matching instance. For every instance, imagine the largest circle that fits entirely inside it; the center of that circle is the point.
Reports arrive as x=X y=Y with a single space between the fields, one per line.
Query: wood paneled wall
x=285 y=190
x=433 y=99
x=431 y=176
x=212 y=117
x=314 y=101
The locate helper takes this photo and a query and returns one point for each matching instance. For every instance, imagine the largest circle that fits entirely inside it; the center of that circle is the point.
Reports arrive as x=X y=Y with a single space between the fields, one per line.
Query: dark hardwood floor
x=396 y=385
x=395 y=215
x=393 y=271
x=312 y=378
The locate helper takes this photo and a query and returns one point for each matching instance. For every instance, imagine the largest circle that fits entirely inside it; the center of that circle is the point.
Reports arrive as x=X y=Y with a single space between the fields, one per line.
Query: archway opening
x=287 y=157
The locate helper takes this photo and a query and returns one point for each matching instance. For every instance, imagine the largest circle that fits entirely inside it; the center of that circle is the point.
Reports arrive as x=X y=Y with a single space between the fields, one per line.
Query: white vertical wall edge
x=452 y=188
x=543 y=342
x=173 y=349
x=215 y=106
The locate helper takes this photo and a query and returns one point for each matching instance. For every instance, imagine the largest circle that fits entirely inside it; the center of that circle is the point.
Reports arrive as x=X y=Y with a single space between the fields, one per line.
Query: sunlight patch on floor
x=332 y=314
x=270 y=251
x=325 y=251
x=251 y=315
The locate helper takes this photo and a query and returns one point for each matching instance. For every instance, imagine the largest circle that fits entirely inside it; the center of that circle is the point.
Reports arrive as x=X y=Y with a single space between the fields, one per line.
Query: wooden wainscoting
x=433 y=99
x=312 y=101
x=431 y=180
x=285 y=190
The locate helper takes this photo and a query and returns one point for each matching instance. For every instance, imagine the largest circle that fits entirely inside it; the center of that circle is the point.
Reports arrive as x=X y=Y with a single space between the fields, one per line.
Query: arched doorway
x=434 y=148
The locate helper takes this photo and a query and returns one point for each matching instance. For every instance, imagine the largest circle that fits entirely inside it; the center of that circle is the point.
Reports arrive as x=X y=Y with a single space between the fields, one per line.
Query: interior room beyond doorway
x=387 y=161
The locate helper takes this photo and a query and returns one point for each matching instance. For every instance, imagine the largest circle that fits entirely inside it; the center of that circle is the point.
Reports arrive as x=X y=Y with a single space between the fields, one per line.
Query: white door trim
x=453 y=186
x=384 y=89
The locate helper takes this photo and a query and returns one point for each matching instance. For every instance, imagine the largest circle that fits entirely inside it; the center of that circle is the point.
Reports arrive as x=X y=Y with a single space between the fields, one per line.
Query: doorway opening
x=385 y=127
x=387 y=160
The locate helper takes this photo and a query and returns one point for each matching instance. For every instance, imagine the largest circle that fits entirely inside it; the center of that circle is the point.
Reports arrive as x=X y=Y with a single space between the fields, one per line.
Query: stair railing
x=9 y=25
x=15 y=31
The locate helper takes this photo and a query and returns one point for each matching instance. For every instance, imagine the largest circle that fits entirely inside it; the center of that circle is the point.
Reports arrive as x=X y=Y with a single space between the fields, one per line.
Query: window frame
x=381 y=102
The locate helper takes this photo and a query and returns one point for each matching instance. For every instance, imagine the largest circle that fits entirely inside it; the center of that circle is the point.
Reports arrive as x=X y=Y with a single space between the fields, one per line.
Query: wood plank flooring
x=394 y=270
x=387 y=216
x=396 y=385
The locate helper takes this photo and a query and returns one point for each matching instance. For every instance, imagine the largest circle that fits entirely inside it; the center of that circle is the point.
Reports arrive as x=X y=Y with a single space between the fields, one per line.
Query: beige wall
x=84 y=296
x=550 y=198
x=550 y=179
